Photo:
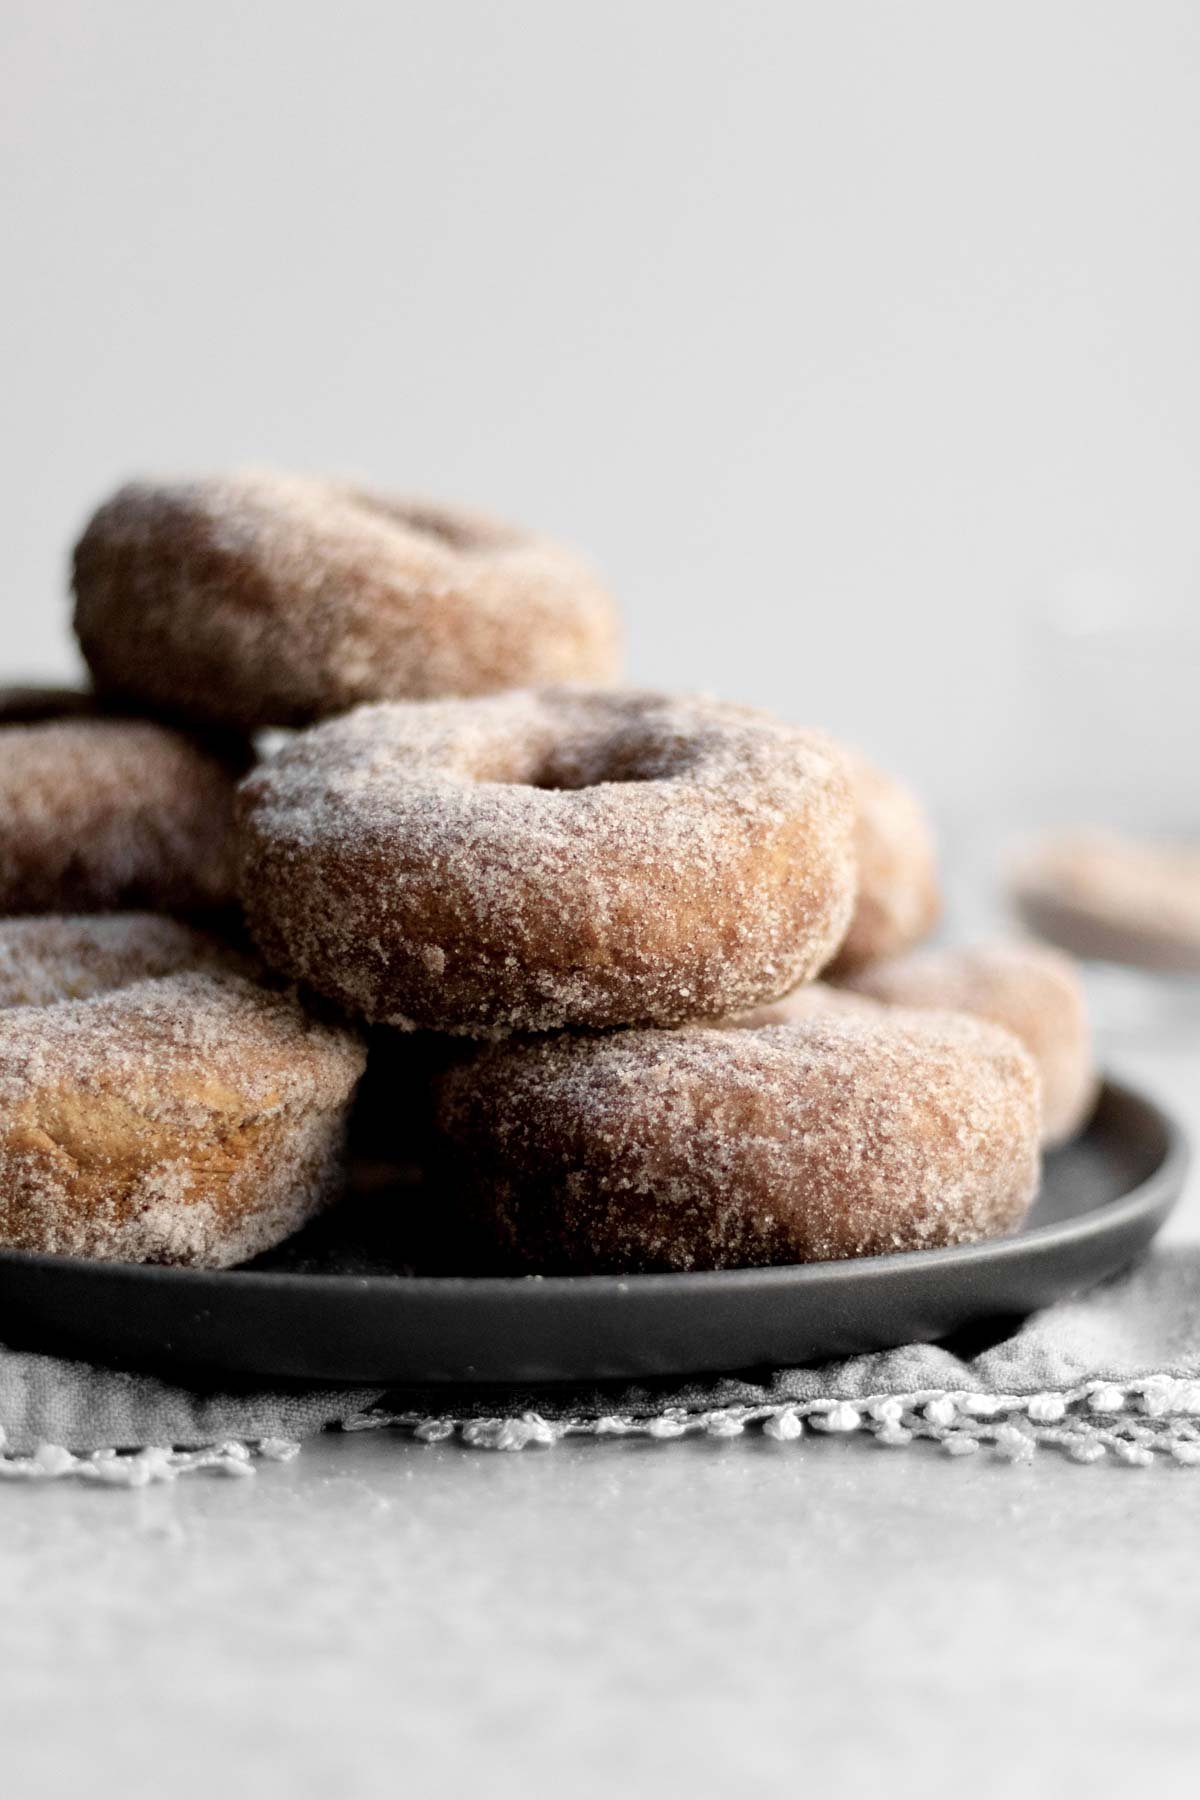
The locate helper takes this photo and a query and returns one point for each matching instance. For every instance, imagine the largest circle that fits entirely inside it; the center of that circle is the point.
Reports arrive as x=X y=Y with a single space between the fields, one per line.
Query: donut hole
x=553 y=782
x=563 y=775
x=570 y=767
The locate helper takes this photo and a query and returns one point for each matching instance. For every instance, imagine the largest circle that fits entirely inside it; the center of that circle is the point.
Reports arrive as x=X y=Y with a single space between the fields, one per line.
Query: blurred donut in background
x=98 y=814
x=1112 y=898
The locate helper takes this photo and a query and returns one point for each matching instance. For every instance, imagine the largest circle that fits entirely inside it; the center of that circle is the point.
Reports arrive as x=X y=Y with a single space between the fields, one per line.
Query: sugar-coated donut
x=1113 y=898
x=548 y=858
x=254 y=600
x=710 y=1149
x=195 y=1119
x=899 y=900
x=98 y=814
x=1029 y=989
x=1032 y=991
x=51 y=957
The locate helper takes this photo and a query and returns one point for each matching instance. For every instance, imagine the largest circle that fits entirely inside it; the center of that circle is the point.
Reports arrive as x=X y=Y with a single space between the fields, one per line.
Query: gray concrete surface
x=702 y=1619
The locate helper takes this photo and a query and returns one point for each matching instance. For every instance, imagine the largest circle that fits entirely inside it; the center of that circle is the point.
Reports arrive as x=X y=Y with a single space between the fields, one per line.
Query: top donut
x=257 y=600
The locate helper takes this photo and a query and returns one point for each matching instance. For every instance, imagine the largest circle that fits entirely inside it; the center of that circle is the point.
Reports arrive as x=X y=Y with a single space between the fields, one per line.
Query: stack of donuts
x=634 y=977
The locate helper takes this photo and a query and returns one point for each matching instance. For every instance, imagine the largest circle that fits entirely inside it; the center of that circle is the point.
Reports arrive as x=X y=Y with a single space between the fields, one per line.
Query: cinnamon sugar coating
x=1115 y=898
x=549 y=858
x=715 y=1149
x=98 y=814
x=899 y=900
x=258 y=599
x=1034 y=992
x=195 y=1119
x=52 y=957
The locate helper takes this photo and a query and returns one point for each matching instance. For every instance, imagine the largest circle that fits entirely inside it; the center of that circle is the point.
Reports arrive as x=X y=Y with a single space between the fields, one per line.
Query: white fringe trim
x=141 y=1468
x=1136 y=1424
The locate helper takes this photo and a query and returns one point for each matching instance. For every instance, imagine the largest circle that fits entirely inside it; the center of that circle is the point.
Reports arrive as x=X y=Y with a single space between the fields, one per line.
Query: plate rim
x=1160 y=1188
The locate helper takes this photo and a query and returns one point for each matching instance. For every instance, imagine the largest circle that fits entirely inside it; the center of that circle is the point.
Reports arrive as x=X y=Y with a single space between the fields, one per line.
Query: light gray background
x=855 y=342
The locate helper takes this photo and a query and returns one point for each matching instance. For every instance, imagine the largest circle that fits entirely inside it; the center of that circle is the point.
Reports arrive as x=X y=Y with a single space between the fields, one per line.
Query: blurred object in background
x=1130 y=907
x=1113 y=898
x=1116 y=880
x=1100 y=852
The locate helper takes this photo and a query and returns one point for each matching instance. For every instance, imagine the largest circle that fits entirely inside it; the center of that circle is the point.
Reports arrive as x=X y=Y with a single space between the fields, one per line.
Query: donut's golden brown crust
x=97 y=814
x=195 y=1119
x=551 y=858
x=255 y=600
x=899 y=900
x=715 y=1149
x=1033 y=992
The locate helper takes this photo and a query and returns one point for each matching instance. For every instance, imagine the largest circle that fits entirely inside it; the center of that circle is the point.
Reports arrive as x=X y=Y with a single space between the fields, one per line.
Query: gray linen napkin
x=1115 y=1372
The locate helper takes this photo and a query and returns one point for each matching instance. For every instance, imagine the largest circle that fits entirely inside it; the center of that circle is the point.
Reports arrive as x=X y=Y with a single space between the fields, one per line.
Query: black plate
x=1102 y=1200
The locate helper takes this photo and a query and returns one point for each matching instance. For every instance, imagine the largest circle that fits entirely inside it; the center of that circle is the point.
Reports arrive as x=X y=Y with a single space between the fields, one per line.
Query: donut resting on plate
x=718 y=1149
x=192 y=1117
x=1034 y=992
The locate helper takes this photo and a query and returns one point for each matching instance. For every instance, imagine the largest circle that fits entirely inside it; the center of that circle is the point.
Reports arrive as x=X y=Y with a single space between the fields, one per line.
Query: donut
x=899 y=901
x=713 y=1149
x=49 y=957
x=550 y=858
x=254 y=600
x=1112 y=898
x=1033 y=991
x=194 y=1119
x=101 y=814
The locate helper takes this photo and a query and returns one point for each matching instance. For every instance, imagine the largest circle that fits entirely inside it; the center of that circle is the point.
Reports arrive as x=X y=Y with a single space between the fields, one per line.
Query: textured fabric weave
x=1131 y=1347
